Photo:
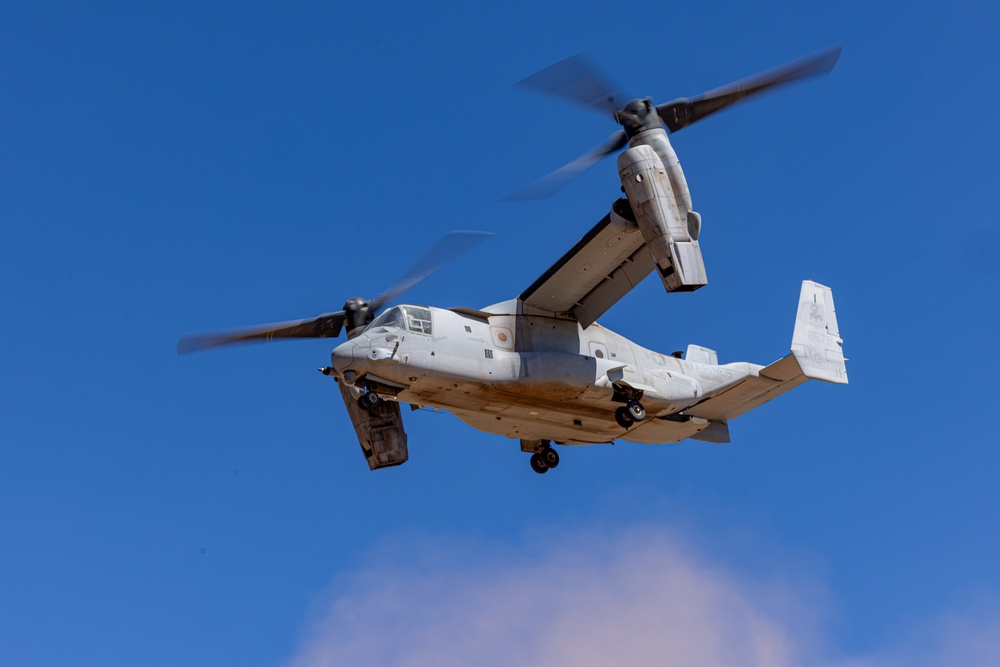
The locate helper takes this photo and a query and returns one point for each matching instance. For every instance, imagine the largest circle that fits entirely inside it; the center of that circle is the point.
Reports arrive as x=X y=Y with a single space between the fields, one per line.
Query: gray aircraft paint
x=546 y=383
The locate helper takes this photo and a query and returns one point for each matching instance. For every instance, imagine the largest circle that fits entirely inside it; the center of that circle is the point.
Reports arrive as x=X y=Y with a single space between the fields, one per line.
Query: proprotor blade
x=682 y=112
x=547 y=185
x=357 y=312
x=324 y=326
x=447 y=249
x=579 y=80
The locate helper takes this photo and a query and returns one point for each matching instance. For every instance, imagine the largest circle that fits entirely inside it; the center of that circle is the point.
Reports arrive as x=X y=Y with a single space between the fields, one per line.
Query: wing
x=599 y=270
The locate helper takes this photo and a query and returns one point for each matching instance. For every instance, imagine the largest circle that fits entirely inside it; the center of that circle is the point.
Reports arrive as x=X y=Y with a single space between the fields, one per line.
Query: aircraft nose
x=342 y=357
x=347 y=355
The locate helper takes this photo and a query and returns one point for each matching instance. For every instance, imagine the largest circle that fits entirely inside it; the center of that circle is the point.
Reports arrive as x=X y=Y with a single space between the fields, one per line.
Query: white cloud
x=642 y=596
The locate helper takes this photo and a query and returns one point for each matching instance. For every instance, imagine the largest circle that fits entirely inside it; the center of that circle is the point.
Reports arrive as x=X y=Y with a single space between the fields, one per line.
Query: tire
x=550 y=457
x=369 y=400
x=538 y=465
x=636 y=411
x=623 y=417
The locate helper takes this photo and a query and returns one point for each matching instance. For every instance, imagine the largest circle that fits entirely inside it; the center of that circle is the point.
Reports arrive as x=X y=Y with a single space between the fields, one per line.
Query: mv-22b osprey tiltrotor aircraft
x=538 y=368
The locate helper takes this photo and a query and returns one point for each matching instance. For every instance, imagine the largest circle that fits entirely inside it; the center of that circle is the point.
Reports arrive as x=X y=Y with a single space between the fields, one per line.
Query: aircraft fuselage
x=528 y=376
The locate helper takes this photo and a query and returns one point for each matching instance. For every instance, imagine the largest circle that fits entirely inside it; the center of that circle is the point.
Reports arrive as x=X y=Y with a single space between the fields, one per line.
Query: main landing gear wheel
x=544 y=459
x=369 y=400
x=549 y=457
x=630 y=413
x=636 y=411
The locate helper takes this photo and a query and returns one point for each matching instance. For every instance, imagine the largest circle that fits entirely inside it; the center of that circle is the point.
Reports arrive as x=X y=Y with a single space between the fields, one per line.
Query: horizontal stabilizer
x=751 y=392
x=816 y=355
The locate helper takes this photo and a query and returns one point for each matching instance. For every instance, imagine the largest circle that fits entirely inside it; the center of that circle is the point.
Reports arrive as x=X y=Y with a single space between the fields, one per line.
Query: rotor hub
x=357 y=315
x=638 y=116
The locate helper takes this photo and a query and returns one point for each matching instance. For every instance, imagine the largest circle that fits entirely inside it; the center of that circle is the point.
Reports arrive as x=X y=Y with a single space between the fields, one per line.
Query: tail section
x=816 y=343
x=816 y=355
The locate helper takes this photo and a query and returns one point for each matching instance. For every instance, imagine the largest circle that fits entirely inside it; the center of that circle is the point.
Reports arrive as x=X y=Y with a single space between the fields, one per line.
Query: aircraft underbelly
x=553 y=410
x=664 y=431
x=536 y=423
x=546 y=412
x=558 y=396
x=518 y=422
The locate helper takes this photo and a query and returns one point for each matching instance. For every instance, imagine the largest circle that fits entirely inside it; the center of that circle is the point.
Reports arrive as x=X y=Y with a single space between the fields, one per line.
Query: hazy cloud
x=642 y=596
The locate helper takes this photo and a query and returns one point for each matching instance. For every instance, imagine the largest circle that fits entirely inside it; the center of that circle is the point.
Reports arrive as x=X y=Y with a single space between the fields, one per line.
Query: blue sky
x=170 y=170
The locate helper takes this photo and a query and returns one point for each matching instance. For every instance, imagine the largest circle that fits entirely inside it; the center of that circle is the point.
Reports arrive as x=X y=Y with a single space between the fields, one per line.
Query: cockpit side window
x=418 y=319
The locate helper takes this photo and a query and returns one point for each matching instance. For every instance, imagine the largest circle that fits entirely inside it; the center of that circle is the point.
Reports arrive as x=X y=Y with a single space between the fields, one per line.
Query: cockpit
x=411 y=318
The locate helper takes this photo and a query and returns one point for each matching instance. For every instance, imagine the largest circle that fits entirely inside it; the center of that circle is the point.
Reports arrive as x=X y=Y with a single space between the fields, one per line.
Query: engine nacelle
x=661 y=203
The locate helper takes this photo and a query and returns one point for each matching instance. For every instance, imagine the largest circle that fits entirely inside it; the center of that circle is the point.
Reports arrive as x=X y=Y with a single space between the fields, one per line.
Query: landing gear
x=545 y=459
x=630 y=413
x=549 y=457
x=623 y=418
x=369 y=400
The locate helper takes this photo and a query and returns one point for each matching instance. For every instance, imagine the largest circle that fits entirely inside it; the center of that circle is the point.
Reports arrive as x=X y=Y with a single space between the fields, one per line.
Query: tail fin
x=816 y=342
x=816 y=355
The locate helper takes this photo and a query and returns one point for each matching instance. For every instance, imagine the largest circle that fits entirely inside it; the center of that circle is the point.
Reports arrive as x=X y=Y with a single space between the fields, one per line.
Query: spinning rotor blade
x=682 y=112
x=448 y=248
x=547 y=185
x=357 y=313
x=324 y=326
x=579 y=80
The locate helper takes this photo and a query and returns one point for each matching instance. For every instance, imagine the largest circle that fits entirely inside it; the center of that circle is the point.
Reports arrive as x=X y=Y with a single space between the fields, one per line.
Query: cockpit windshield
x=390 y=318
x=413 y=318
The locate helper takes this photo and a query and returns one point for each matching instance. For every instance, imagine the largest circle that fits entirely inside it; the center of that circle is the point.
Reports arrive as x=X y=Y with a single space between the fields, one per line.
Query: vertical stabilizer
x=701 y=355
x=816 y=355
x=816 y=342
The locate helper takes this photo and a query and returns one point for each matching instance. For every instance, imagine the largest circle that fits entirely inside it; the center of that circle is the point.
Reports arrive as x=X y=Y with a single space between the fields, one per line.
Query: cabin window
x=418 y=319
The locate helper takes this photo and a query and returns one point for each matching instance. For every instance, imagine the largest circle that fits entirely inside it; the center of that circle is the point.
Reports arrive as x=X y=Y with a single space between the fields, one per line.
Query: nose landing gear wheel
x=538 y=465
x=369 y=400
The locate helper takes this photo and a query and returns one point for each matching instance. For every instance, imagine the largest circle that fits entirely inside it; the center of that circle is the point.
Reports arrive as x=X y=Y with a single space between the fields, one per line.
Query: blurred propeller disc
x=579 y=80
x=447 y=249
x=324 y=326
x=680 y=113
x=357 y=312
x=547 y=185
